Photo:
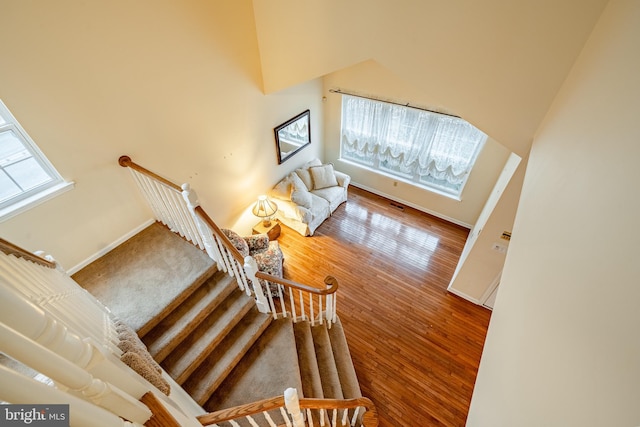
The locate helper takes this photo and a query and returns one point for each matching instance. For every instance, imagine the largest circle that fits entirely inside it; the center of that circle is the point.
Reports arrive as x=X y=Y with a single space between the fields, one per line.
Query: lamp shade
x=264 y=208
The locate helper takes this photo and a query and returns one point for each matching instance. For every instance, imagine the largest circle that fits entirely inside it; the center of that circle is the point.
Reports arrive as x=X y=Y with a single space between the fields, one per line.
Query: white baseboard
x=412 y=205
x=463 y=295
x=109 y=247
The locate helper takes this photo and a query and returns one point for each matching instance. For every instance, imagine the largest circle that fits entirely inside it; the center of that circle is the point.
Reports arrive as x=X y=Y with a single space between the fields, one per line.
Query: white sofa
x=309 y=195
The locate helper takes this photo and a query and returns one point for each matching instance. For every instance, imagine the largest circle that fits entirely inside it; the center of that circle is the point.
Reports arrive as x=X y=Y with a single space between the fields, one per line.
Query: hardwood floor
x=415 y=347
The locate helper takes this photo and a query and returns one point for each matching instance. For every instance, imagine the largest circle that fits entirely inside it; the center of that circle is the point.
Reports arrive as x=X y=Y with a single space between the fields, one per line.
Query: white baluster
x=285 y=417
x=293 y=305
x=25 y=390
x=282 y=302
x=345 y=417
x=304 y=312
x=269 y=419
x=335 y=417
x=292 y=403
x=334 y=300
x=33 y=322
x=329 y=313
x=251 y=268
x=309 y=418
x=252 y=421
x=68 y=374
x=355 y=416
x=320 y=312
x=313 y=317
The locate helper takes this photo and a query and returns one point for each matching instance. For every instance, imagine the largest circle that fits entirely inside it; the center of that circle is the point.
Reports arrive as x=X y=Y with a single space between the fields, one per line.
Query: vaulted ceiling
x=497 y=63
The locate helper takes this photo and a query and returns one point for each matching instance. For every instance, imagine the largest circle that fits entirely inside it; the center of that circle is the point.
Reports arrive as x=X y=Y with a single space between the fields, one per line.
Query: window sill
x=404 y=180
x=35 y=200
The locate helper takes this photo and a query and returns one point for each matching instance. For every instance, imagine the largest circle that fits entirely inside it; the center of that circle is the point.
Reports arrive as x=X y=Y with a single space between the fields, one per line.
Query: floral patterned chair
x=268 y=255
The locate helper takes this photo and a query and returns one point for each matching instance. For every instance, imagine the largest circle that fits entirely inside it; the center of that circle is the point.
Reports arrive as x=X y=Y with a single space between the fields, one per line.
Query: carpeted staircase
x=207 y=334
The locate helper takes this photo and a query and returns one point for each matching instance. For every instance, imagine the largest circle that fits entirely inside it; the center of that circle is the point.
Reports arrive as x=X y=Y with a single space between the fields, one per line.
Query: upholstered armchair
x=268 y=255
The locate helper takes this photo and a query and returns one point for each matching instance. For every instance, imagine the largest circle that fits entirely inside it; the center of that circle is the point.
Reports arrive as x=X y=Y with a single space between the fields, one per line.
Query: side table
x=273 y=230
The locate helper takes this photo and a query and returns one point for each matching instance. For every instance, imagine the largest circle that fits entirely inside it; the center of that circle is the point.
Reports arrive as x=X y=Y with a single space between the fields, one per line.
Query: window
x=432 y=150
x=26 y=176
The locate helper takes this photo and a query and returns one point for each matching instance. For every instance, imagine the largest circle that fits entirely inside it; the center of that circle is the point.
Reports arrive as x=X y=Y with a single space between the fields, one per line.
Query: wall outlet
x=500 y=248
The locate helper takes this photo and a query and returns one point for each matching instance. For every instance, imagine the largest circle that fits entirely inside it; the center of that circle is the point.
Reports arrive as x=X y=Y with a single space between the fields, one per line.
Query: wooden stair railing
x=363 y=411
x=177 y=207
x=11 y=249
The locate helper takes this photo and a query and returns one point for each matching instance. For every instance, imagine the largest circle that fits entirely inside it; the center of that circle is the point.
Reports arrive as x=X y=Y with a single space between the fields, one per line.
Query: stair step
x=174 y=328
x=267 y=370
x=212 y=372
x=181 y=363
x=145 y=278
x=331 y=387
x=309 y=371
x=344 y=363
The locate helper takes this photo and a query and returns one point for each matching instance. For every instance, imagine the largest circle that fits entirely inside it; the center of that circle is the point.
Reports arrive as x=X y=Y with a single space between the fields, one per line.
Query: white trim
x=110 y=247
x=465 y=296
x=412 y=205
x=33 y=201
x=491 y=288
x=425 y=187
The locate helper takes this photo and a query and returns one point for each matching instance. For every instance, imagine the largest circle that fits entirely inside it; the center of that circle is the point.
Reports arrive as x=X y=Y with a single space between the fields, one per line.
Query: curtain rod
x=341 y=92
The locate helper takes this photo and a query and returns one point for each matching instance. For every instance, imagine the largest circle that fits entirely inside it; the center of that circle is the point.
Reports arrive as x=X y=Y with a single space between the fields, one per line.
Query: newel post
x=292 y=403
x=251 y=268
x=191 y=199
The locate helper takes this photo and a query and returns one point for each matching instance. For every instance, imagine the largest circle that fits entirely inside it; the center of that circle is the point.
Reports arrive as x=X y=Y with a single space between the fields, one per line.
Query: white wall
x=175 y=85
x=563 y=347
x=496 y=63
x=480 y=265
x=369 y=78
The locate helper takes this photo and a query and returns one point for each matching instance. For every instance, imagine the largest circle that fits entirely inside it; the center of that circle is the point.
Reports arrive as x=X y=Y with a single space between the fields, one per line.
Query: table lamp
x=264 y=208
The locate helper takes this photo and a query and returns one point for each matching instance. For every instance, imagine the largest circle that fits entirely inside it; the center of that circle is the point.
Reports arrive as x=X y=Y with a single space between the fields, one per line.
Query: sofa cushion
x=323 y=176
x=319 y=206
x=333 y=195
x=301 y=198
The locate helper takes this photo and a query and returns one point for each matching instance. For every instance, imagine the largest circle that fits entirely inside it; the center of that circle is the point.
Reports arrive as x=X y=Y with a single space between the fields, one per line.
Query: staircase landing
x=140 y=285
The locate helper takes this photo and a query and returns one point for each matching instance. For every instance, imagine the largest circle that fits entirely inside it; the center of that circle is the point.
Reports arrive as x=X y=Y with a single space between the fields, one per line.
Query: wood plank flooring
x=415 y=347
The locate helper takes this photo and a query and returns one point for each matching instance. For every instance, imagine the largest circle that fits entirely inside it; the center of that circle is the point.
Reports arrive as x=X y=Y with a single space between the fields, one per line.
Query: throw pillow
x=305 y=176
x=314 y=162
x=297 y=184
x=301 y=198
x=282 y=190
x=323 y=176
x=238 y=242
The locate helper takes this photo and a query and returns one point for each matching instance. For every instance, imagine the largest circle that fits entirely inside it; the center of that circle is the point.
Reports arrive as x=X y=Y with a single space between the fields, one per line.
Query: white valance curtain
x=409 y=140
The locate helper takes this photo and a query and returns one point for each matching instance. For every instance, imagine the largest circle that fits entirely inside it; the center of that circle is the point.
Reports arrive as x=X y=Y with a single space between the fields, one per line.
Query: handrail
x=369 y=419
x=125 y=161
x=242 y=411
x=177 y=207
x=329 y=280
x=11 y=249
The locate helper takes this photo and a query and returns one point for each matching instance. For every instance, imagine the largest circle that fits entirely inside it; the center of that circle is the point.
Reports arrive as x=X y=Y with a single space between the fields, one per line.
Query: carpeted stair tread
x=268 y=368
x=215 y=368
x=174 y=328
x=309 y=371
x=331 y=387
x=147 y=276
x=203 y=340
x=344 y=364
